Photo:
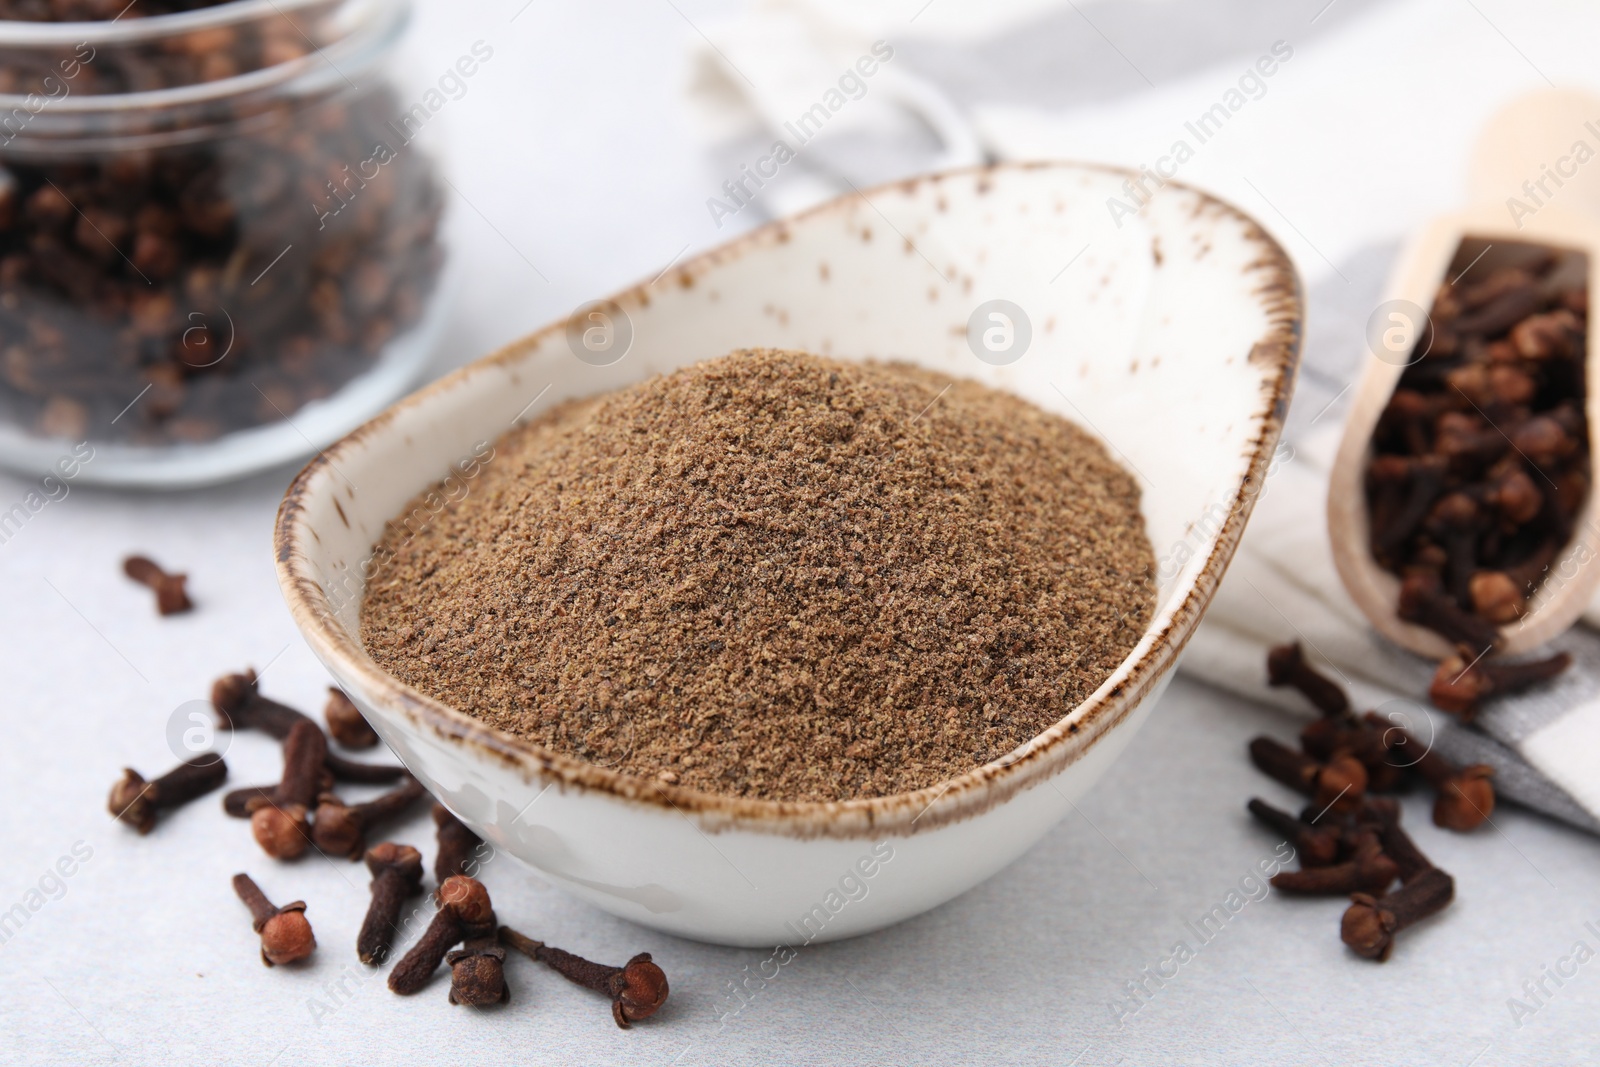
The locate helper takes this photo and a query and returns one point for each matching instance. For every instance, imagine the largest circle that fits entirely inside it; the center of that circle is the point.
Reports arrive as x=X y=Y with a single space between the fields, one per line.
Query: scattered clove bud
x=280 y=824
x=457 y=844
x=1370 y=923
x=1466 y=796
x=136 y=801
x=240 y=706
x=477 y=973
x=1368 y=870
x=464 y=912
x=1384 y=814
x=637 y=989
x=340 y=829
x=396 y=876
x=1286 y=665
x=1340 y=783
x=285 y=934
x=171 y=597
x=1316 y=846
x=346 y=724
x=239 y=803
x=1347 y=735
x=1460 y=685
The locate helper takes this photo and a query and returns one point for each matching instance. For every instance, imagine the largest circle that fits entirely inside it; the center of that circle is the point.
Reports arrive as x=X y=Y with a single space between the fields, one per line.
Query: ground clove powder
x=775 y=576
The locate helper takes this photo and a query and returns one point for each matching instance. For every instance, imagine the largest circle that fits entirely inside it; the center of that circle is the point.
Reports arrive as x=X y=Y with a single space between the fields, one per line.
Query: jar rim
x=368 y=31
x=18 y=33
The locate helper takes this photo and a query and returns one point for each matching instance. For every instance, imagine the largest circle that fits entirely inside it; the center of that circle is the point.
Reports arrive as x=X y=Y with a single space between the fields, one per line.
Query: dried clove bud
x=1467 y=443
x=136 y=801
x=1503 y=312
x=1544 y=441
x=637 y=989
x=1461 y=685
x=1286 y=665
x=396 y=875
x=1347 y=735
x=285 y=934
x=280 y=823
x=1455 y=523
x=464 y=912
x=1466 y=796
x=237 y=803
x=1495 y=597
x=1516 y=497
x=346 y=724
x=457 y=844
x=171 y=596
x=339 y=829
x=1384 y=814
x=1369 y=870
x=1370 y=923
x=240 y=706
x=1554 y=333
x=1315 y=845
x=477 y=973
x=1340 y=783
x=1424 y=478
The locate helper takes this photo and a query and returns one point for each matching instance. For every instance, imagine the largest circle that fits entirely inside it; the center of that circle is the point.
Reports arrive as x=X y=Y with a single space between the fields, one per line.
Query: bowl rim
x=964 y=796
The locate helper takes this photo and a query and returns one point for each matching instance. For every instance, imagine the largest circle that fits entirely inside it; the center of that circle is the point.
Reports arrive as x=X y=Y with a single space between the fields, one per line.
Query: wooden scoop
x=1535 y=137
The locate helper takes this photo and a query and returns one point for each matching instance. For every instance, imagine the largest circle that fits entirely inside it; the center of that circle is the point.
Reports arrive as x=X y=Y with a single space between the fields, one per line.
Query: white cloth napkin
x=1348 y=143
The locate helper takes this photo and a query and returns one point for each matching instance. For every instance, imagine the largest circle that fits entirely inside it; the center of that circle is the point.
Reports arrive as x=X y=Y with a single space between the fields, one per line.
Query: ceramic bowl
x=1173 y=334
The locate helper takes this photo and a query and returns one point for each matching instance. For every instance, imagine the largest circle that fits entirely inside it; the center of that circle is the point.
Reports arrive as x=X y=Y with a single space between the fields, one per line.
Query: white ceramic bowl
x=1174 y=336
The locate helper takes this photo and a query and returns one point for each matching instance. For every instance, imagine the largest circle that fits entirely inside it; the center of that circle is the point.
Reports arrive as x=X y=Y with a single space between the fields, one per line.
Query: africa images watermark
x=55 y=89
x=1253 y=888
x=451 y=85
x=1252 y=85
x=52 y=885
x=1538 y=191
x=852 y=85
x=1204 y=530
x=52 y=487
x=853 y=885
x=1536 y=992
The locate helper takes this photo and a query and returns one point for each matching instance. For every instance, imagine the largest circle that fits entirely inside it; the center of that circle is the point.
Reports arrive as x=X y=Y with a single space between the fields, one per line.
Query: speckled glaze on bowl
x=1174 y=336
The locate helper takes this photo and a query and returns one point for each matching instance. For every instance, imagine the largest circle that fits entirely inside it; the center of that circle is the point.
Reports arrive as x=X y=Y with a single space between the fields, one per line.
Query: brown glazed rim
x=965 y=796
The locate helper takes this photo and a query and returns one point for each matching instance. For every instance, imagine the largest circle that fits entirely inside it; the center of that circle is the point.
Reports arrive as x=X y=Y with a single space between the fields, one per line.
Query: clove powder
x=775 y=576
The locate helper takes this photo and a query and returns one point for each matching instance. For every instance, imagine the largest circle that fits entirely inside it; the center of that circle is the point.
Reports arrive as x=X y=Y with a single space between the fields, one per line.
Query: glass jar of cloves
x=219 y=250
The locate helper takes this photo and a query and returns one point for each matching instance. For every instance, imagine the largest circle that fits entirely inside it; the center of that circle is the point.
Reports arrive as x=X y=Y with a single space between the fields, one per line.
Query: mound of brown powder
x=777 y=576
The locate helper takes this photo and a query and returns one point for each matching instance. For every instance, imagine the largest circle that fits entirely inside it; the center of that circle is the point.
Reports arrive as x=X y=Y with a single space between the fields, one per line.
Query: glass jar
x=219 y=250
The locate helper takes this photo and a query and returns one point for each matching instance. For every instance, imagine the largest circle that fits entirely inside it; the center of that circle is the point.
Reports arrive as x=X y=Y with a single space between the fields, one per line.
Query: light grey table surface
x=143 y=955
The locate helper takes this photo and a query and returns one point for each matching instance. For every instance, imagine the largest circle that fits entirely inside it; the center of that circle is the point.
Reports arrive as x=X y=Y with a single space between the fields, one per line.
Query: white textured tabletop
x=573 y=160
